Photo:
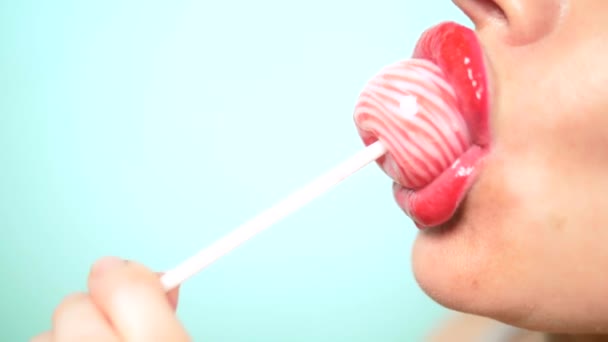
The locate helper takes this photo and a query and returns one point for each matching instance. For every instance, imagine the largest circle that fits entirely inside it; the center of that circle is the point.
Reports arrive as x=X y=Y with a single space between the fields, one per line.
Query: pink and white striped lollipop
x=407 y=116
x=412 y=110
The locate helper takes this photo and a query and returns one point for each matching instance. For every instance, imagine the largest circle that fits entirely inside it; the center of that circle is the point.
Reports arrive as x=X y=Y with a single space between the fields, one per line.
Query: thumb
x=133 y=300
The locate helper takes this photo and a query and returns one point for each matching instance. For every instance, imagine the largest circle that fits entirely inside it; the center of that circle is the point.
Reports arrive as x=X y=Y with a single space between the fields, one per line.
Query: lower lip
x=457 y=52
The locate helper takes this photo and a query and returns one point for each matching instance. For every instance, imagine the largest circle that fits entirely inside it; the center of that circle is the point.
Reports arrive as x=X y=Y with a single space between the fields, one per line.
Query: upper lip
x=458 y=52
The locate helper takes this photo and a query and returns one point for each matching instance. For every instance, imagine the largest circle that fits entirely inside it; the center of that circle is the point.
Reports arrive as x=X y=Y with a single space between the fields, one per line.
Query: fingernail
x=106 y=264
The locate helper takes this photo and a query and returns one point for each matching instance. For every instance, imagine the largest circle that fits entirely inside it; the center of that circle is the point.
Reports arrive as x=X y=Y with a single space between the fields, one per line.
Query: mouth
x=456 y=54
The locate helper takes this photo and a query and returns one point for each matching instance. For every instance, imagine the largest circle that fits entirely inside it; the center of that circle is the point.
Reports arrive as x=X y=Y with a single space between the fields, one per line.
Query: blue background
x=148 y=129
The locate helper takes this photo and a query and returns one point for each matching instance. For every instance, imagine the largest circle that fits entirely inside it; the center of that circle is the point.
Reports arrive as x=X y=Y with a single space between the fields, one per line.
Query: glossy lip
x=457 y=51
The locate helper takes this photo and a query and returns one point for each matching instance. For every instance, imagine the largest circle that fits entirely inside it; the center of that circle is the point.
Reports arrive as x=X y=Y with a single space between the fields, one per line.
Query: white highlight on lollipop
x=408 y=106
x=287 y=206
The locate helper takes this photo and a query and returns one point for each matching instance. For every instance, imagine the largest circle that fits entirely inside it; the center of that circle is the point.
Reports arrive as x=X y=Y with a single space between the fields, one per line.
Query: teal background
x=147 y=129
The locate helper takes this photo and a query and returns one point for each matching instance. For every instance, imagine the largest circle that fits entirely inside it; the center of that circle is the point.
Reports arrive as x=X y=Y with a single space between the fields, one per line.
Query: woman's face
x=530 y=245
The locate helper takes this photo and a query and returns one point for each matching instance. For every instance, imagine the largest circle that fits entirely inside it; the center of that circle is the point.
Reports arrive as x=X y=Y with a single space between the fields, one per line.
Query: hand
x=125 y=303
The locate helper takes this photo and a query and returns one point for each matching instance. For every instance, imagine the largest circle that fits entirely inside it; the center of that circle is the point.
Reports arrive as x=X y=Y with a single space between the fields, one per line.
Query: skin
x=125 y=302
x=528 y=246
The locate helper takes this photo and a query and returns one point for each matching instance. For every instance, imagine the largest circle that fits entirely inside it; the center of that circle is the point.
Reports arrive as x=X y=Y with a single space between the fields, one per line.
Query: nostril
x=518 y=22
x=482 y=12
x=491 y=9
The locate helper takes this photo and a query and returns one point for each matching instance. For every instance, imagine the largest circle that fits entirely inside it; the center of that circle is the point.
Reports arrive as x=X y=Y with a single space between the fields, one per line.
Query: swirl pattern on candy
x=413 y=111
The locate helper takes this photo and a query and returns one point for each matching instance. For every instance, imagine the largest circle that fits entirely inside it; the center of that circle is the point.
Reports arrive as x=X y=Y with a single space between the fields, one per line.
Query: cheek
x=553 y=108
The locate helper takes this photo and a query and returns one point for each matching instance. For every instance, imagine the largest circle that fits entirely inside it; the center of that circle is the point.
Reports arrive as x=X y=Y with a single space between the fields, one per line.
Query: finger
x=173 y=295
x=132 y=297
x=78 y=319
x=44 y=337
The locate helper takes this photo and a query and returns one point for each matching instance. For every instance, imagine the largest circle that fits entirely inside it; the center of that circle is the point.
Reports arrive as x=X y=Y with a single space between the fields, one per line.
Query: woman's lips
x=456 y=52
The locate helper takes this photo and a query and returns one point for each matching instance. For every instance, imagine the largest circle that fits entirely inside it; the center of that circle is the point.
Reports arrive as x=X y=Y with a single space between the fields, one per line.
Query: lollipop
x=413 y=111
x=426 y=134
x=405 y=116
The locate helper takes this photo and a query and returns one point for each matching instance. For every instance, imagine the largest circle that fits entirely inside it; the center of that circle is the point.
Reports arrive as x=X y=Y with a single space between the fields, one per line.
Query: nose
x=519 y=22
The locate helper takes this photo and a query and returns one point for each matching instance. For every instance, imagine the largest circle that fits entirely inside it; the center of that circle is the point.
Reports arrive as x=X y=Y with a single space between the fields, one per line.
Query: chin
x=469 y=263
x=486 y=261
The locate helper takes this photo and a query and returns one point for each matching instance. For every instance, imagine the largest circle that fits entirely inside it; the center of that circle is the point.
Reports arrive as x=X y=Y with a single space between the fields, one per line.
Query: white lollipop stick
x=293 y=202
